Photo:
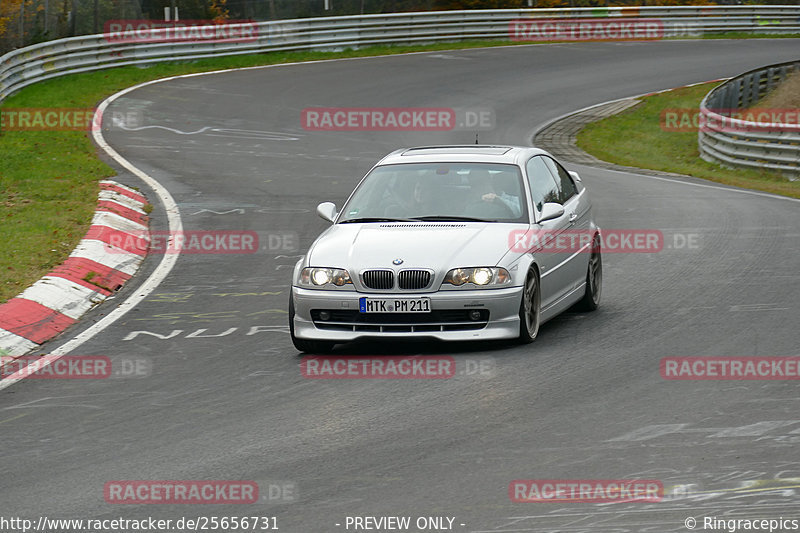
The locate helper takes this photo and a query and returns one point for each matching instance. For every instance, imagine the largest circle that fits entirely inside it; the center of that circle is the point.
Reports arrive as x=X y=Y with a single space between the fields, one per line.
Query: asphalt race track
x=223 y=397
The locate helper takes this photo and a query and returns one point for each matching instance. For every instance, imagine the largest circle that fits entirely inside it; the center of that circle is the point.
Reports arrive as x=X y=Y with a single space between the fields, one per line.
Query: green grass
x=635 y=138
x=47 y=193
x=48 y=179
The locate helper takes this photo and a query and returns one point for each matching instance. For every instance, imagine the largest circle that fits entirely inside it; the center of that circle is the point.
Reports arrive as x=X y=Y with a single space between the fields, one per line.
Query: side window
x=566 y=187
x=543 y=186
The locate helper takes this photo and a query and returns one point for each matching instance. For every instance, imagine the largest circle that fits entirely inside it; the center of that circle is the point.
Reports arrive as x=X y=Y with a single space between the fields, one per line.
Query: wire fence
x=120 y=47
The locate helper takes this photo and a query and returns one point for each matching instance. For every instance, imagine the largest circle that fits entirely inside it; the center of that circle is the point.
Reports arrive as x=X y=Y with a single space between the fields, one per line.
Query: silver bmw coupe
x=452 y=243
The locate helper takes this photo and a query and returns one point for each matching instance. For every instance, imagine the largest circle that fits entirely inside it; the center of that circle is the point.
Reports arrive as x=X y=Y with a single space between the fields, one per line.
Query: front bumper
x=448 y=320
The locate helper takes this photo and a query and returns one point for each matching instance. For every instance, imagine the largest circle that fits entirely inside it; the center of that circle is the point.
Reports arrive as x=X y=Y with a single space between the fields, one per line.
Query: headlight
x=321 y=276
x=481 y=276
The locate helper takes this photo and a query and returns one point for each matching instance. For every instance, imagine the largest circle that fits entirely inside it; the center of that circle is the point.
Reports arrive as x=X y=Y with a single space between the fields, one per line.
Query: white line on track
x=158 y=275
x=173 y=216
x=702 y=185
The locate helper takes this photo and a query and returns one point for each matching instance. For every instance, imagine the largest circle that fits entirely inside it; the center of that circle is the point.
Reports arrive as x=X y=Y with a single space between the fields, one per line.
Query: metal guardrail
x=731 y=141
x=31 y=64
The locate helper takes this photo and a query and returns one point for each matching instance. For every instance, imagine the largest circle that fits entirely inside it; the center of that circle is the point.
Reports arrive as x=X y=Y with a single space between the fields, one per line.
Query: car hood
x=437 y=245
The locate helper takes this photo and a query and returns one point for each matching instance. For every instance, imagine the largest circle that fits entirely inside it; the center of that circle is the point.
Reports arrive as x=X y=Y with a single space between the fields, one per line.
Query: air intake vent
x=378 y=279
x=426 y=225
x=414 y=279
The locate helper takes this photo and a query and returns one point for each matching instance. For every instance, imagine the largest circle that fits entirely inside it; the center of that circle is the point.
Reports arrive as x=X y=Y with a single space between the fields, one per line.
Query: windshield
x=439 y=191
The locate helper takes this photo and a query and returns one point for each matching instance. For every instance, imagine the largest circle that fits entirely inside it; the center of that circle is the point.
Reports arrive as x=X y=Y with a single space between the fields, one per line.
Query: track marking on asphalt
x=200 y=333
x=13 y=418
x=650 y=432
x=229 y=211
x=217 y=132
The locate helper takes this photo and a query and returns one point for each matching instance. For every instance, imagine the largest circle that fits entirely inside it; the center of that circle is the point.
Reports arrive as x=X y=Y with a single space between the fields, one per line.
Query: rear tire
x=305 y=345
x=530 y=309
x=594 y=279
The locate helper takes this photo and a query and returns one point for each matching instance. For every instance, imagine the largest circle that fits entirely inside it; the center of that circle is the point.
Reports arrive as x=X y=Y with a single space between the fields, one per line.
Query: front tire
x=594 y=279
x=305 y=345
x=530 y=309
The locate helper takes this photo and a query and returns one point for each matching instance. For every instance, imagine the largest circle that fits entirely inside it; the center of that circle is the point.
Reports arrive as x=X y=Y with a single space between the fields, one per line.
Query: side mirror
x=550 y=211
x=574 y=175
x=327 y=210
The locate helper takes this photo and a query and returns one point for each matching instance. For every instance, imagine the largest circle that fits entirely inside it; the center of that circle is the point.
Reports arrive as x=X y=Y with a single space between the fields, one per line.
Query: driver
x=502 y=184
x=495 y=189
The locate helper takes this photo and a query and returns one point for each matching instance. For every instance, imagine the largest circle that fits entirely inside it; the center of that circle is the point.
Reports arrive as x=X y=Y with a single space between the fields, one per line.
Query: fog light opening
x=474 y=315
x=324 y=315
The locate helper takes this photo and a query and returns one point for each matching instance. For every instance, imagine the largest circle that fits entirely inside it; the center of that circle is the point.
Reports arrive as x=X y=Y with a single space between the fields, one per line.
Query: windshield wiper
x=376 y=219
x=451 y=218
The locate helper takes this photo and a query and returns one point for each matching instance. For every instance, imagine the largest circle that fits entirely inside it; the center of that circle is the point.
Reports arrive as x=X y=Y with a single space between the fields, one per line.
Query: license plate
x=394 y=305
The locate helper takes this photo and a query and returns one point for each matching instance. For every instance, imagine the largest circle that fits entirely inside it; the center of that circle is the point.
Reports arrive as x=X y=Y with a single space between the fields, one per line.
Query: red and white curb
x=95 y=269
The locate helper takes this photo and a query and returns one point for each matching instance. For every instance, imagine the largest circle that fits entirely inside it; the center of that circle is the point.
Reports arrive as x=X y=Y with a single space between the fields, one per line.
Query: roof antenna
x=476 y=138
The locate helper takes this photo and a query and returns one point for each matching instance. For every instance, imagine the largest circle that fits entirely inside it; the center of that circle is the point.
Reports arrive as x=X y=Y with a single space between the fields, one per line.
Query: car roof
x=475 y=153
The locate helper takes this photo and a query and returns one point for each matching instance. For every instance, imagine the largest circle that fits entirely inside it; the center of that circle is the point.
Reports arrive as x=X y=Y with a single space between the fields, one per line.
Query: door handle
x=573 y=217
